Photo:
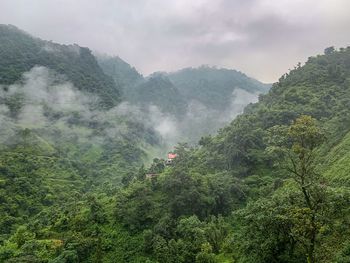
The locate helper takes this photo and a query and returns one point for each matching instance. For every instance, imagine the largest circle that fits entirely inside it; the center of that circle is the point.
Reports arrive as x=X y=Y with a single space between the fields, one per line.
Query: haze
x=262 y=38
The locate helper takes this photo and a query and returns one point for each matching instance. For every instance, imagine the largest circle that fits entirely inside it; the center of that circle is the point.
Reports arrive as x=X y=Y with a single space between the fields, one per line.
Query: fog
x=44 y=101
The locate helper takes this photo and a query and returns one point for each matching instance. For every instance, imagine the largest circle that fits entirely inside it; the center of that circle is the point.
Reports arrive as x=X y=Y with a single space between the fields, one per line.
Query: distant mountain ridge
x=198 y=100
x=210 y=86
x=214 y=86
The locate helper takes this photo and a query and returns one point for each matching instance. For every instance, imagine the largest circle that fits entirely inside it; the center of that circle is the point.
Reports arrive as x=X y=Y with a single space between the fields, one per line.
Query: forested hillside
x=121 y=72
x=20 y=52
x=272 y=186
x=210 y=86
x=64 y=138
x=158 y=90
x=214 y=87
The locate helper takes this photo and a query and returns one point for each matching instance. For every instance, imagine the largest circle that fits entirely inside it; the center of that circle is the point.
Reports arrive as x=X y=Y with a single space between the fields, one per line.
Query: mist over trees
x=83 y=175
x=194 y=102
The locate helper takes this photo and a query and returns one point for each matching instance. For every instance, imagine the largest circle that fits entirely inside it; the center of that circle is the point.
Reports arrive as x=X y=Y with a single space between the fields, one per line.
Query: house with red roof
x=171 y=157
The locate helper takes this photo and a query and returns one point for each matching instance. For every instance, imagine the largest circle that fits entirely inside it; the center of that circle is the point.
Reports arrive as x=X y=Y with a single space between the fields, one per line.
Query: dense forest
x=20 y=52
x=75 y=186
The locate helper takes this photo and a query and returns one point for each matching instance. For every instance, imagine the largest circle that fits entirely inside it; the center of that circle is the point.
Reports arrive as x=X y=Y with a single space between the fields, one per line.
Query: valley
x=99 y=163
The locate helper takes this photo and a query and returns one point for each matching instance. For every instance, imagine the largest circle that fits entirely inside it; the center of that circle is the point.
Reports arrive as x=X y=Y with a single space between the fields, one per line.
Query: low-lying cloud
x=46 y=102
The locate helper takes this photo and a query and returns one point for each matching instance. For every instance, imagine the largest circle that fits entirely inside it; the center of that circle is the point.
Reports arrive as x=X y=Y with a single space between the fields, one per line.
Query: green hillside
x=159 y=91
x=199 y=101
x=121 y=72
x=155 y=90
x=337 y=162
x=59 y=148
x=320 y=89
x=214 y=87
x=19 y=52
x=173 y=92
x=272 y=186
x=280 y=184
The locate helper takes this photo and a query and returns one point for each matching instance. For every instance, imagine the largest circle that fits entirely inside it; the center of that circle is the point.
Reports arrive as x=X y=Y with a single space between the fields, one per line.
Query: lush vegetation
x=273 y=186
x=20 y=52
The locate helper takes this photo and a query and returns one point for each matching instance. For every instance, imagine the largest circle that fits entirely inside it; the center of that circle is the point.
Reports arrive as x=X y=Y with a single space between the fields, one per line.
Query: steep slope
x=321 y=88
x=275 y=206
x=55 y=140
x=158 y=90
x=19 y=52
x=237 y=177
x=336 y=166
x=155 y=90
x=121 y=72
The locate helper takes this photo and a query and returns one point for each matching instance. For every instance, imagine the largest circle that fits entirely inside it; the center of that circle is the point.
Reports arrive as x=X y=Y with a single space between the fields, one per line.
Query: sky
x=262 y=38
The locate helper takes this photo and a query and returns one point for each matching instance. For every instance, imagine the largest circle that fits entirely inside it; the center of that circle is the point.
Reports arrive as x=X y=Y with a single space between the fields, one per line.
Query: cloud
x=52 y=106
x=201 y=120
x=59 y=112
x=262 y=38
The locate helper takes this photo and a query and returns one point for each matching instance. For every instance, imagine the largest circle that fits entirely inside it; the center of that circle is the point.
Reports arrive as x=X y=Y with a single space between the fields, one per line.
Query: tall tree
x=305 y=136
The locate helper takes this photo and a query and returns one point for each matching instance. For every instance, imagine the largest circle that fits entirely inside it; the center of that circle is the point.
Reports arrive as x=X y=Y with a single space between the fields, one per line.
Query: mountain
x=155 y=90
x=214 y=87
x=271 y=186
x=19 y=52
x=158 y=90
x=278 y=175
x=64 y=130
x=210 y=86
x=320 y=89
x=197 y=101
x=121 y=72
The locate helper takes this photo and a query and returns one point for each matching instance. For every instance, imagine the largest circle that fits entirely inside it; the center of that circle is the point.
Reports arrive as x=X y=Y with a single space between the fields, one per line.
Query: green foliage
x=267 y=188
x=19 y=52
x=312 y=90
x=336 y=164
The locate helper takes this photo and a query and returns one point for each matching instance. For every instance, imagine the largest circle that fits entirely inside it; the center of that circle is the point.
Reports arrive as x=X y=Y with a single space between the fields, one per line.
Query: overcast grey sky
x=262 y=38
